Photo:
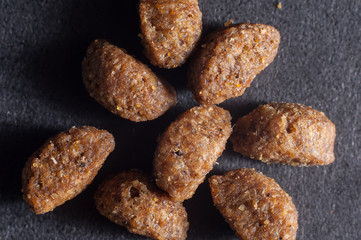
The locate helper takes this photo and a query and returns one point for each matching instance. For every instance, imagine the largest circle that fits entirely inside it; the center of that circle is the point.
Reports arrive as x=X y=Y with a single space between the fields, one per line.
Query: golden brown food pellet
x=132 y=200
x=124 y=85
x=230 y=59
x=287 y=133
x=188 y=149
x=170 y=30
x=254 y=205
x=64 y=166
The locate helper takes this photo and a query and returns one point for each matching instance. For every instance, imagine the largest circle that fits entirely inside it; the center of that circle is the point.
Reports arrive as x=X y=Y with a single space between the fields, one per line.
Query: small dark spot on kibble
x=82 y=164
x=178 y=153
x=117 y=198
x=221 y=130
x=290 y=129
x=134 y=192
x=268 y=194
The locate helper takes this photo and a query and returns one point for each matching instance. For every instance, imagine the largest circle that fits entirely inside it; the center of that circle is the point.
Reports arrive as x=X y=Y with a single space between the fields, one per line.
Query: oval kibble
x=170 y=30
x=188 y=149
x=230 y=59
x=64 y=166
x=132 y=200
x=287 y=133
x=254 y=205
x=124 y=85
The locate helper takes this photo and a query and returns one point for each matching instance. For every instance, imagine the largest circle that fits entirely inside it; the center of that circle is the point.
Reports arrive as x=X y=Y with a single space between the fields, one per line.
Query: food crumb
x=279 y=5
x=228 y=23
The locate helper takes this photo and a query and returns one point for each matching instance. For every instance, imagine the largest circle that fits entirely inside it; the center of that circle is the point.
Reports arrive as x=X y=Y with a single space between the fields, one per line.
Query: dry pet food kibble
x=230 y=59
x=124 y=85
x=287 y=133
x=170 y=30
x=132 y=200
x=188 y=149
x=64 y=166
x=254 y=205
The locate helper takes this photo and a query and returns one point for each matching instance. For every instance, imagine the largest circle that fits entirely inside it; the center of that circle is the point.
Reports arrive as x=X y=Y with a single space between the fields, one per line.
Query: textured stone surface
x=318 y=64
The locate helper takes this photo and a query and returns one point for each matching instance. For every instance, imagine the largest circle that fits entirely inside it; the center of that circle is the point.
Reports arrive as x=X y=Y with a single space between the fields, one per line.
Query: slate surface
x=42 y=44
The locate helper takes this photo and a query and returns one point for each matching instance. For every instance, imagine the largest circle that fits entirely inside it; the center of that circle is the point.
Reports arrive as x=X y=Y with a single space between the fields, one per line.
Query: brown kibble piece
x=124 y=85
x=230 y=59
x=170 y=30
x=254 y=205
x=64 y=166
x=287 y=133
x=132 y=200
x=188 y=149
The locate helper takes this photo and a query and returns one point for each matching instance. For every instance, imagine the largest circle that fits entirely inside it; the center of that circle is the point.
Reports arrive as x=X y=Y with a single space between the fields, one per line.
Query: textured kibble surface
x=41 y=92
x=132 y=200
x=170 y=30
x=229 y=60
x=188 y=149
x=254 y=205
x=64 y=166
x=287 y=133
x=124 y=85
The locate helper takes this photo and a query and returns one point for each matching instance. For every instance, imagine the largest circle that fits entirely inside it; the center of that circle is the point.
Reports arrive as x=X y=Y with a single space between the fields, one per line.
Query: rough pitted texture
x=170 y=30
x=254 y=205
x=189 y=148
x=124 y=85
x=64 y=166
x=318 y=64
x=230 y=59
x=287 y=133
x=132 y=200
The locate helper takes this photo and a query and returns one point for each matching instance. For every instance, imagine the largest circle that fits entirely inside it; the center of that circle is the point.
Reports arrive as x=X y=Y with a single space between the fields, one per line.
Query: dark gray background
x=42 y=44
